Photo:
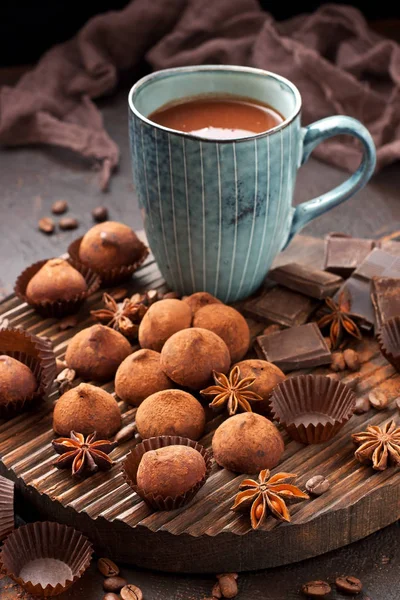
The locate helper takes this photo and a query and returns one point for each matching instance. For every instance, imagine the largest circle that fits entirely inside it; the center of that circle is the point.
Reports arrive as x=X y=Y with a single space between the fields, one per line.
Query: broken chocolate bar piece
x=280 y=305
x=358 y=287
x=306 y=280
x=385 y=296
x=295 y=348
x=343 y=254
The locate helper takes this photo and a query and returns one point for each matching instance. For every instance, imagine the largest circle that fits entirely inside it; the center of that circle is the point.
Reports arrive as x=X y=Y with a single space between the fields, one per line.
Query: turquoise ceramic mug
x=217 y=212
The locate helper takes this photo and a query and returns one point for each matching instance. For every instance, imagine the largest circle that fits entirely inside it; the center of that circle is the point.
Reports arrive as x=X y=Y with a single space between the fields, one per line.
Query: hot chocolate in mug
x=217 y=212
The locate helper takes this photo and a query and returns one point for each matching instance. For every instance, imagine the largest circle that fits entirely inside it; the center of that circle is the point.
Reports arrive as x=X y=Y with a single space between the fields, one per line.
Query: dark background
x=28 y=28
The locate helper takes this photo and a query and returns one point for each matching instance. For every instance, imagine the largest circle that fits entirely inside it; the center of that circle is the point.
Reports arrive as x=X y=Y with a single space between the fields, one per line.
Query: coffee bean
x=126 y=433
x=46 y=224
x=348 y=585
x=67 y=223
x=317 y=485
x=316 y=589
x=378 y=399
x=59 y=207
x=100 y=214
x=111 y=596
x=114 y=584
x=131 y=592
x=351 y=359
x=228 y=584
x=328 y=342
x=362 y=406
x=107 y=567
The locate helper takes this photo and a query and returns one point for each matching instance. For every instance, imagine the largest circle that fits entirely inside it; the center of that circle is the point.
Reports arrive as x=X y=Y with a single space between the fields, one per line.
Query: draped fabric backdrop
x=338 y=63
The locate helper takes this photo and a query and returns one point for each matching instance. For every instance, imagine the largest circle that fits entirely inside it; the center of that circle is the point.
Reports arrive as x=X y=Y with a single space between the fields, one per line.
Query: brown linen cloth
x=338 y=63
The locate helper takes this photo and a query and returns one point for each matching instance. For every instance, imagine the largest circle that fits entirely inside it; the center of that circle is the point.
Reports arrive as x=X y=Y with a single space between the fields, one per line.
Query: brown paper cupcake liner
x=37 y=354
x=46 y=558
x=389 y=341
x=312 y=408
x=131 y=464
x=109 y=277
x=60 y=308
x=7 y=522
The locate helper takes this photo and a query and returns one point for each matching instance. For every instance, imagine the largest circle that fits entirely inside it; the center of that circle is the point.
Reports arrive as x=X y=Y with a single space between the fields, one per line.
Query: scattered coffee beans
x=362 y=406
x=351 y=359
x=131 y=592
x=126 y=433
x=59 y=207
x=228 y=584
x=348 y=585
x=107 y=567
x=114 y=584
x=100 y=214
x=317 y=485
x=316 y=589
x=67 y=223
x=46 y=225
x=378 y=399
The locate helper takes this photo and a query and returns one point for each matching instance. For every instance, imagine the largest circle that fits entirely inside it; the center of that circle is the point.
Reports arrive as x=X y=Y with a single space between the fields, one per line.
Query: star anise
x=234 y=392
x=340 y=319
x=379 y=445
x=267 y=496
x=85 y=455
x=122 y=316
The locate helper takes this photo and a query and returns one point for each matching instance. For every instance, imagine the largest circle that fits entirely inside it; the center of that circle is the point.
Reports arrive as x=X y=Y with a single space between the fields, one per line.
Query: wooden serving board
x=205 y=536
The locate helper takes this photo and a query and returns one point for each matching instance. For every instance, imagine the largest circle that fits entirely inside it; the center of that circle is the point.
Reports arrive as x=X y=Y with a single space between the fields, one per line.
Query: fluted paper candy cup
x=60 y=308
x=389 y=341
x=131 y=464
x=46 y=558
x=312 y=408
x=7 y=522
x=109 y=277
x=37 y=354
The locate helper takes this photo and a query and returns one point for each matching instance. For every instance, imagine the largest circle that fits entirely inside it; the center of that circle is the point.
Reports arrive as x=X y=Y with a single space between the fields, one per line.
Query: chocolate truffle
x=139 y=376
x=96 y=352
x=55 y=280
x=85 y=409
x=17 y=382
x=229 y=324
x=200 y=299
x=247 y=443
x=267 y=376
x=170 y=412
x=170 y=471
x=190 y=356
x=110 y=245
x=163 y=319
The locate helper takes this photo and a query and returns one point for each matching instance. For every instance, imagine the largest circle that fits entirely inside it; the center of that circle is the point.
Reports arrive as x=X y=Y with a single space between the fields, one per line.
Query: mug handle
x=318 y=132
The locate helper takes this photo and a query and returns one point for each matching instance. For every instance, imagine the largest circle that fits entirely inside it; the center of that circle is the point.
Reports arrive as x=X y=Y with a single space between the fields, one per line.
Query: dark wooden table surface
x=32 y=178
